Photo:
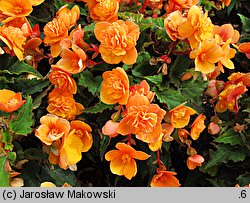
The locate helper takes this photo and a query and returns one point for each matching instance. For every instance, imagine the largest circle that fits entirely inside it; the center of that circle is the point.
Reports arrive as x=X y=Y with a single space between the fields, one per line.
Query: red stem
x=158 y=158
x=129 y=139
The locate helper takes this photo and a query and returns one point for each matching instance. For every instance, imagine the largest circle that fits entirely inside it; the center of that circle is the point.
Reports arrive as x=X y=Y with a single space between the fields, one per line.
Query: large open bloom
x=10 y=101
x=180 y=115
x=118 y=40
x=142 y=119
x=52 y=128
x=197 y=127
x=165 y=178
x=115 y=87
x=62 y=104
x=122 y=160
x=206 y=55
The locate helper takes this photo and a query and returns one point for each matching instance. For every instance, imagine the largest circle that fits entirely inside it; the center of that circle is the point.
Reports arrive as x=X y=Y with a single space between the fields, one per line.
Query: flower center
x=18 y=9
x=126 y=158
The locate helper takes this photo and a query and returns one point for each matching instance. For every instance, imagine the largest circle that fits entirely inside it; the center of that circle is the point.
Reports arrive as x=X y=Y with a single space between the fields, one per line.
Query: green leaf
x=4 y=175
x=22 y=124
x=156 y=79
x=21 y=67
x=89 y=28
x=193 y=90
x=105 y=141
x=244 y=179
x=98 y=108
x=171 y=97
x=7 y=139
x=12 y=156
x=181 y=63
x=34 y=154
x=246 y=23
x=38 y=100
x=86 y=80
x=229 y=137
x=128 y=16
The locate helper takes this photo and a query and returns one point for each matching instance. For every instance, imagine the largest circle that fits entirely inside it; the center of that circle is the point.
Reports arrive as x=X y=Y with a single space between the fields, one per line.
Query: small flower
x=165 y=178
x=194 y=161
x=110 y=128
x=179 y=5
x=213 y=128
x=197 y=127
x=118 y=41
x=245 y=48
x=236 y=78
x=52 y=128
x=122 y=161
x=180 y=115
x=183 y=134
x=115 y=87
x=226 y=32
x=10 y=101
x=47 y=184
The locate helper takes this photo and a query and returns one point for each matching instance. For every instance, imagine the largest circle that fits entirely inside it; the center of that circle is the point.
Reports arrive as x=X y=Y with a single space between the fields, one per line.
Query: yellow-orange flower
x=183 y=134
x=63 y=80
x=62 y=104
x=83 y=131
x=245 y=48
x=115 y=87
x=194 y=161
x=14 y=38
x=197 y=127
x=226 y=32
x=55 y=31
x=228 y=98
x=122 y=161
x=235 y=78
x=171 y=24
x=69 y=17
x=197 y=27
x=73 y=61
x=118 y=40
x=206 y=55
x=179 y=5
x=165 y=178
x=105 y=10
x=52 y=128
x=180 y=115
x=142 y=119
x=10 y=101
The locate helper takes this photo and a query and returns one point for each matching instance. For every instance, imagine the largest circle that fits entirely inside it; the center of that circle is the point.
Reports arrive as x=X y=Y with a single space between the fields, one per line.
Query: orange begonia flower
x=180 y=115
x=194 y=161
x=115 y=87
x=155 y=146
x=165 y=179
x=214 y=88
x=171 y=24
x=110 y=128
x=143 y=88
x=225 y=2
x=118 y=40
x=105 y=10
x=83 y=131
x=14 y=38
x=179 y=5
x=62 y=104
x=235 y=78
x=63 y=80
x=21 y=23
x=245 y=48
x=226 y=32
x=10 y=101
x=213 y=128
x=122 y=161
x=183 y=134
x=197 y=127
x=228 y=98
x=73 y=61
x=52 y=128
x=55 y=31
x=206 y=55
x=197 y=27
x=142 y=119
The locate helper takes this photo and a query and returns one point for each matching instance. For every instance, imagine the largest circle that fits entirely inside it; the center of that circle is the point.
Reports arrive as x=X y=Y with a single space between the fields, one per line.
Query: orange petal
x=130 y=169
x=130 y=57
x=140 y=155
x=113 y=154
x=100 y=27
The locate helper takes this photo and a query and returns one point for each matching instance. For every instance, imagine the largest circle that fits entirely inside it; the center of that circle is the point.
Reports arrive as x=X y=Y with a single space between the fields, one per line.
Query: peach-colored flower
x=63 y=80
x=68 y=16
x=165 y=178
x=171 y=23
x=143 y=88
x=73 y=61
x=197 y=27
x=105 y=10
x=55 y=31
x=52 y=128
x=194 y=161
x=228 y=98
x=10 y=101
x=167 y=130
x=142 y=119
x=122 y=161
x=118 y=40
x=14 y=38
x=115 y=87
x=226 y=32
x=110 y=128
x=83 y=131
x=179 y=5
x=47 y=184
x=62 y=104
x=197 y=127
x=235 y=78
x=213 y=128
x=245 y=48
x=206 y=55
x=214 y=88
x=180 y=115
